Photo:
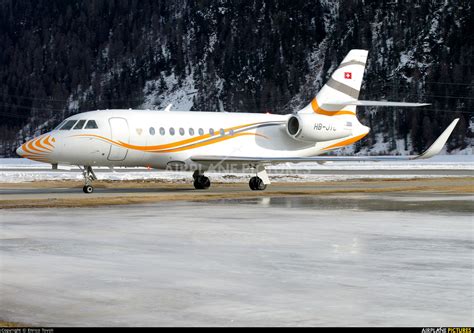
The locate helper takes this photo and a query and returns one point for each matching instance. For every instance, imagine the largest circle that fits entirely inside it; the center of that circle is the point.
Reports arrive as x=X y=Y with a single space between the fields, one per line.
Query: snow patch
x=169 y=90
x=16 y=170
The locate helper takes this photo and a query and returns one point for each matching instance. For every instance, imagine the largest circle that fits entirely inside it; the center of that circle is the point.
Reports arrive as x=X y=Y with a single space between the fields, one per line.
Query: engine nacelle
x=317 y=128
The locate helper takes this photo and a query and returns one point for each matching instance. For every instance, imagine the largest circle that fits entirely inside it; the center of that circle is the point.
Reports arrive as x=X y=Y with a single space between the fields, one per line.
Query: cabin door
x=119 y=132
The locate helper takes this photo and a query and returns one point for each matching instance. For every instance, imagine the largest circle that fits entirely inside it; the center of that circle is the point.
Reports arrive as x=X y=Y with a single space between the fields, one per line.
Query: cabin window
x=162 y=131
x=181 y=131
x=201 y=131
x=68 y=125
x=211 y=131
x=80 y=124
x=152 y=131
x=191 y=131
x=222 y=132
x=171 y=131
x=231 y=132
x=91 y=124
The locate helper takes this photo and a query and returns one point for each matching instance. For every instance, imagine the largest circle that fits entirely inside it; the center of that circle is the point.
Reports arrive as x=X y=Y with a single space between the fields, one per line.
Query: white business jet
x=201 y=141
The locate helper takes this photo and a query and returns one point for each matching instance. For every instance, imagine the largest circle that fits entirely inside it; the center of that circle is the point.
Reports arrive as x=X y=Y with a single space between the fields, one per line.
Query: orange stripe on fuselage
x=33 y=146
x=47 y=142
x=30 y=146
x=36 y=158
x=206 y=143
x=36 y=148
x=172 y=145
x=182 y=142
x=99 y=137
x=39 y=145
x=346 y=142
x=218 y=138
x=319 y=110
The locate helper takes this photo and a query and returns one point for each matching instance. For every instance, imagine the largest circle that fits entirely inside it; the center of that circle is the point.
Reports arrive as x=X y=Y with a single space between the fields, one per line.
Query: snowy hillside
x=63 y=57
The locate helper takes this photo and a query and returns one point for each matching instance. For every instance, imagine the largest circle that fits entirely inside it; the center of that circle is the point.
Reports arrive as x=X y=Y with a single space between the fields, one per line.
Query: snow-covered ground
x=23 y=170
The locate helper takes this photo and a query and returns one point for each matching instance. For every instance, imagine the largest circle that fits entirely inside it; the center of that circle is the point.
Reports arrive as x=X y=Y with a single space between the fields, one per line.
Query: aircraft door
x=119 y=132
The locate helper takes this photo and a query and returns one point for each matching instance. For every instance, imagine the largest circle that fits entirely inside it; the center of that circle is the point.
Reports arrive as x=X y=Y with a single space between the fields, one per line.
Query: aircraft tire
x=88 y=189
x=202 y=182
x=256 y=184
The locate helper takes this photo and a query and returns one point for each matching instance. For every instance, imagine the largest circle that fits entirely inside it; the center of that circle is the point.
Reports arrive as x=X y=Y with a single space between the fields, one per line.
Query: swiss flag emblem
x=348 y=75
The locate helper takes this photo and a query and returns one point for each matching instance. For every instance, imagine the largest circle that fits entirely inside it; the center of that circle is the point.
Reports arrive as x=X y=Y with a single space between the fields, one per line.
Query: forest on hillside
x=61 y=57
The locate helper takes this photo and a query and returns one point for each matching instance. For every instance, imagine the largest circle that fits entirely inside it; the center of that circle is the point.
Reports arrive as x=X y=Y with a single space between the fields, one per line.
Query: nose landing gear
x=88 y=189
x=89 y=176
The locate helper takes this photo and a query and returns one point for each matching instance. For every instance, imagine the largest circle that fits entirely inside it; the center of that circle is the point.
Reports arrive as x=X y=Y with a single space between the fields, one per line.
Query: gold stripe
x=171 y=150
x=182 y=142
x=24 y=147
x=38 y=144
x=29 y=144
x=32 y=147
x=47 y=142
x=36 y=158
x=202 y=144
x=170 y=146
x=319 y=110
x=346 y=142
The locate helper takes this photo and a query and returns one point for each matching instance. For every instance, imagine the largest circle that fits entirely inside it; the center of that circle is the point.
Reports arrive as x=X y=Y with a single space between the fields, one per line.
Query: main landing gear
x=201 y=182
x=256 y=184
x=89 y=176
x=261 y=180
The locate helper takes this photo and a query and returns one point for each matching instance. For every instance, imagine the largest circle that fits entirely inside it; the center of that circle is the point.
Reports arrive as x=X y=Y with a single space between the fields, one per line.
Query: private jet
x=204 y=141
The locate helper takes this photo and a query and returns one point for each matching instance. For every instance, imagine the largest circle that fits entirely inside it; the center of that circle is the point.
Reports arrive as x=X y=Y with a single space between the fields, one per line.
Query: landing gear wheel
x=89 y=177
x=256 y=184
x=88 y=189
x=201 y=182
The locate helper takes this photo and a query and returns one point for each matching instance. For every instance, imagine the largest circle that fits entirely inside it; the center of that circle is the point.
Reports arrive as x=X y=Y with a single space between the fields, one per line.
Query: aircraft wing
x=434 y=149
x=375 y=103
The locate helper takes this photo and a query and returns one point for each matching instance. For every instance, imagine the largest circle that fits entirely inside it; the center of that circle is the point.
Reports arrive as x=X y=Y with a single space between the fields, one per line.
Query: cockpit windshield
x=77 y=125
x=68 y=125
x=59 y=126
x=91 y=124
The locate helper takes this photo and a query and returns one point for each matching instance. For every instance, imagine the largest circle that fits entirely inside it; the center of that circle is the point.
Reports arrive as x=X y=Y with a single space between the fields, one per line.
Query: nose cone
x=19 y=151
x=38 y=149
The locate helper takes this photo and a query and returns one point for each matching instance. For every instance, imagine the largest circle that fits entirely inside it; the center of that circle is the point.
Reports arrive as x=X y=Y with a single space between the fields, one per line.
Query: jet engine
x=317 y=128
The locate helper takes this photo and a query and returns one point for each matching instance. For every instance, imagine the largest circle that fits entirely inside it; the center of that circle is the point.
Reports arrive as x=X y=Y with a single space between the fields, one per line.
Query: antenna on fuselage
x=168 y=108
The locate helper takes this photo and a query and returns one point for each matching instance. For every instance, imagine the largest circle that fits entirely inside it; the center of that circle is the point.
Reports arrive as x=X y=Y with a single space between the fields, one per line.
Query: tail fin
x=344 y=85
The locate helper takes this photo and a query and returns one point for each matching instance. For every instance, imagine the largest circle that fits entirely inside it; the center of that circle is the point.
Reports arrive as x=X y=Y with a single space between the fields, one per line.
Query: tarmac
x=393 y=252
x=69 y=193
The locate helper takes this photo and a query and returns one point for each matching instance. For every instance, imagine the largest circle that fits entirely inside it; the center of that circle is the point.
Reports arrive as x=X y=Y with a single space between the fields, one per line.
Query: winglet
x=436 y=147
x=168 y=108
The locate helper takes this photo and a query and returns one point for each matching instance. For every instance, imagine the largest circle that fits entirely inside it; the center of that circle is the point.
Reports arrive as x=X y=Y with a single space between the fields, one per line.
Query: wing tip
x=436 y=147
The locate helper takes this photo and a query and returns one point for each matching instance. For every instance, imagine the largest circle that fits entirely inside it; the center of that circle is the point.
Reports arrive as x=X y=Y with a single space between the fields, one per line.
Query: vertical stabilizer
x=344 y=85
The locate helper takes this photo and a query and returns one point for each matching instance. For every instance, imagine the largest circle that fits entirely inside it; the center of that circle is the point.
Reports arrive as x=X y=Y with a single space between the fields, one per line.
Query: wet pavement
x=393 y=259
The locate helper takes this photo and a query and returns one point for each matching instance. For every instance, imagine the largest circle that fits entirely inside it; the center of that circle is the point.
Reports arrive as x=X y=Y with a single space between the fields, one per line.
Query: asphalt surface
x=44 y=192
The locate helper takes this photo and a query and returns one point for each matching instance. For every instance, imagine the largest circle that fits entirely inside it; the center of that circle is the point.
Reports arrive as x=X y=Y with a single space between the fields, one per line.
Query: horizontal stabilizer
x=434 y=149
x=374 y=103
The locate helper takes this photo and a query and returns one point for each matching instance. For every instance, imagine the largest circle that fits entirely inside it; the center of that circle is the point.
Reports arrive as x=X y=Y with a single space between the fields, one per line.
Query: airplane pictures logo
x=348 y=75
